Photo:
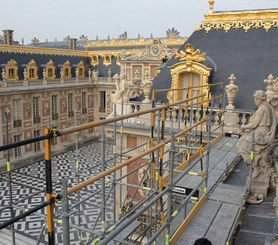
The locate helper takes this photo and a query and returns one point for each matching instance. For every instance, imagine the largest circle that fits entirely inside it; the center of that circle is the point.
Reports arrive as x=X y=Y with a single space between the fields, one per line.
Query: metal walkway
x=218 y=216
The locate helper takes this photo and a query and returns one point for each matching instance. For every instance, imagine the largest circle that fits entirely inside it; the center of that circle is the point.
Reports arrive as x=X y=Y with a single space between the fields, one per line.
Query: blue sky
x=56 y=19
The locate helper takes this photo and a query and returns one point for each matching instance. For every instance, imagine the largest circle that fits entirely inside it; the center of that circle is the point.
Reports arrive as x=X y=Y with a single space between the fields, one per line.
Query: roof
x=250 y=55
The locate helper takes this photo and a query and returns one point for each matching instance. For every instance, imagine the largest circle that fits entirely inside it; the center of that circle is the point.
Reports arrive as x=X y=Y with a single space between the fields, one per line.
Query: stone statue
x=122 y=88
x=90 y=72
x=95 y=75
x=25 y=74
x=231 y=91
x=76 y=72
x=44 y=74
x=61 y=73
x=3 y=74
x=109 y=73
x=261 y=131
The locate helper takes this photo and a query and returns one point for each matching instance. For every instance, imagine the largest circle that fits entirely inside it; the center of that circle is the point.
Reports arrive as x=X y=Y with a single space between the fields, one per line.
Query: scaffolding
x=138 y=186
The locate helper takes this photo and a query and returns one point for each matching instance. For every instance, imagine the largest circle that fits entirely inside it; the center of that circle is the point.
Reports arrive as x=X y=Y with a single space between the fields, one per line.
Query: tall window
x=37 y=145
x=84 y=103
x=31 y=73
x=50 y=73
x=189 y=80
x=36 y=110
x=17 y=121
x=54 y=107
x=66 y=72
x=17 y=150
x=70 y=105
x=11 y=73
x=102 y=101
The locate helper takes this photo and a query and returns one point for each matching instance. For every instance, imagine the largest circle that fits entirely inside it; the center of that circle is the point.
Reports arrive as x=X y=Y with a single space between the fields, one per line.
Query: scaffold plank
x=200 y=224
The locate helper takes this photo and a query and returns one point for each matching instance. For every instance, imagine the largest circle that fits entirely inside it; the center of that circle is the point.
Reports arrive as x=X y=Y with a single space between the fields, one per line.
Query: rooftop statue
x=261 y=131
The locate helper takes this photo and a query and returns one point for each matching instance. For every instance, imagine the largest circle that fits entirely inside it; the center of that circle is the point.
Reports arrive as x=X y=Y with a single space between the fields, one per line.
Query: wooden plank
x=176 y=236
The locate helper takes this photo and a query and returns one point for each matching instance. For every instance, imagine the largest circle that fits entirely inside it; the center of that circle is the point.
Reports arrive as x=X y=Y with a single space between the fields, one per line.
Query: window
x=84 y=103
x=36 y=110
x=17 y=121
x=17 y=150
x=54 y=107
x=31 y=73
x=37 y=145
x=11 y=74
x=66 y=72
x=67 y=69
x=102 y=101
x=189 y=80
x=32 y=70
x=81 y=69
x=50 y=70
x=154 y=71
x=137 y=71
x=70 y=107
x=11 y=70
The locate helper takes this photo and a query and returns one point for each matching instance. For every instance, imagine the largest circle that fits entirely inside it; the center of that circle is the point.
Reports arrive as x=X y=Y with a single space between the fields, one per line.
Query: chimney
x=72 y=43
x=8 y=37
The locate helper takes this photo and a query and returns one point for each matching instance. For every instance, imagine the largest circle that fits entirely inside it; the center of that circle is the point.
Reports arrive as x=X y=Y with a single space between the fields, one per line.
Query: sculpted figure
x=122 y=88
x=263 y=127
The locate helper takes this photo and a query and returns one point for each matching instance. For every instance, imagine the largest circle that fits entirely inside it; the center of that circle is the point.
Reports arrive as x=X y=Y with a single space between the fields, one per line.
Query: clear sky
x=59 y=18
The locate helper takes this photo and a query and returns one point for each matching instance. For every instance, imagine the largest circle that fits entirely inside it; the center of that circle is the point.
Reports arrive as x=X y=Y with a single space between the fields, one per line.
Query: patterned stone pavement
x=31 y=181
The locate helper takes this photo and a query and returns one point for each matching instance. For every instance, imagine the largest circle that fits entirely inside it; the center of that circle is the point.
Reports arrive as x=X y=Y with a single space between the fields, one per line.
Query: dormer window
x=50 y=70
x=32 y=70
x=67 y=69
x=81 y=69
x=107 y=60
x=11 y=70
x=94 y=60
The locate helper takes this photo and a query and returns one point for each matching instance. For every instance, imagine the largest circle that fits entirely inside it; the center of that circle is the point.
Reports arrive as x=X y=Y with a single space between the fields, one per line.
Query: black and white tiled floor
x=31 y=181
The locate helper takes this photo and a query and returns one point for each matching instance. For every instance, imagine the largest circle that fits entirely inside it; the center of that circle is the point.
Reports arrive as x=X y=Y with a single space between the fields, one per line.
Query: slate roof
x=22 y=59
x=251 y=56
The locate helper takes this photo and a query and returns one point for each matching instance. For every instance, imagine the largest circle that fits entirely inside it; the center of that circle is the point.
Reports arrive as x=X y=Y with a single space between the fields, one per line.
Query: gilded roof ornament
x=245 y=20
x=190 y=54
x=211 y=4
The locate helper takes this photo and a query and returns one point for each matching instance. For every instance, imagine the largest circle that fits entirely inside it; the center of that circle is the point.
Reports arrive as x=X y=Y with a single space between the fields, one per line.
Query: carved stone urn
x=231 y=91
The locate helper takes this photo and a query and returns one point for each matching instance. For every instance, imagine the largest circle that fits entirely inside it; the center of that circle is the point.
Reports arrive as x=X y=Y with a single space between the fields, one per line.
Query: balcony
x=37 y=119
x=55 y=116
x=17 y=123
x=71 y=113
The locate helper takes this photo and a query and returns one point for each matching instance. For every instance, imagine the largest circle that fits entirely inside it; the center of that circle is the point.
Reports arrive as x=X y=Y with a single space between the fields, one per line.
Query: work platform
x=217 y=218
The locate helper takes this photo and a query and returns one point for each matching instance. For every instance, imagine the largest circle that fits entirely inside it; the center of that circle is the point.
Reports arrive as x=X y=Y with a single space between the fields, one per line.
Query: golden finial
x=211 y=3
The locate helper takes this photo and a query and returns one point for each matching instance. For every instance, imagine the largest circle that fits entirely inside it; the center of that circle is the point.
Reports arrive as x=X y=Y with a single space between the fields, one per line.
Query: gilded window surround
x=189 y=63
x=32 y=65
x=188 y=67
x=94 y=60
x=107 y=59
x=245 y=20
x=81 y=66
x=50 y=66
x=11 y=64
x=67 y=66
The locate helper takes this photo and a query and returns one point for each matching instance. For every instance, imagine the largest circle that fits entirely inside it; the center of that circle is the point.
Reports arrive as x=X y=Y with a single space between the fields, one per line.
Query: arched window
x=50 y=70
x=11 y=70
x=32 y=70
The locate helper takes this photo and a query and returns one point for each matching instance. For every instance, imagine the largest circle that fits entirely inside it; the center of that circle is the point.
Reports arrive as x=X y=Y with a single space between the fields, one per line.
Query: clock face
x=155 y=50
